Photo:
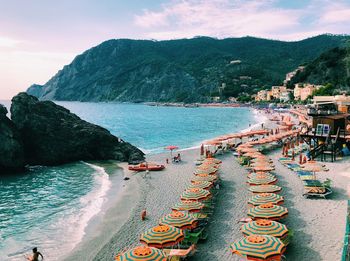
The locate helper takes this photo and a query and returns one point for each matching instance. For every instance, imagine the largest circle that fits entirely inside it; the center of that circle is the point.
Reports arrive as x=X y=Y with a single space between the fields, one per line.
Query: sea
x=50 y=207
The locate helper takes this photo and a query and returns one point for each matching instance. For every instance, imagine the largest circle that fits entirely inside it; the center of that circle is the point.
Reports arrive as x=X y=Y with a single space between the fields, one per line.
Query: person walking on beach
x=35 y=256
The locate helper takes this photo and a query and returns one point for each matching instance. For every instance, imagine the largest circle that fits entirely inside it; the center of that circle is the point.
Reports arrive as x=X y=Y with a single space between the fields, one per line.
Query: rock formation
x=11 y=147
x=53 y=135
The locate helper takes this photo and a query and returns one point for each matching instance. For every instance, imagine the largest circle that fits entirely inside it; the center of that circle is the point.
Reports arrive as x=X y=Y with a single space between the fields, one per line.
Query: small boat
x=146 y=166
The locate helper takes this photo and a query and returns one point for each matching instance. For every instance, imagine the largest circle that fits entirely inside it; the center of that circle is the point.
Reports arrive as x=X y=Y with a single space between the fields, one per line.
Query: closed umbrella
x=142 y=253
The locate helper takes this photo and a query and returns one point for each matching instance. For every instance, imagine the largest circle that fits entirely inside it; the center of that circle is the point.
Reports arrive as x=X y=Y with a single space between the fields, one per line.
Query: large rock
x=53 y=135
x=11 y=147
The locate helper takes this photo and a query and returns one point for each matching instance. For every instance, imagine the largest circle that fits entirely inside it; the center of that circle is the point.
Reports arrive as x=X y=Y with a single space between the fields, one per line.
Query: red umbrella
x=171 y=148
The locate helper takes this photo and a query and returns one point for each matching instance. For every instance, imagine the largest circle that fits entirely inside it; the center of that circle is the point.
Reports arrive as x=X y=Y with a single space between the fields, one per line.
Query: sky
x=39 y=37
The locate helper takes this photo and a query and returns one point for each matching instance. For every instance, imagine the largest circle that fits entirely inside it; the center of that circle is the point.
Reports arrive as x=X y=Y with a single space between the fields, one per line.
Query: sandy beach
x=318 y=224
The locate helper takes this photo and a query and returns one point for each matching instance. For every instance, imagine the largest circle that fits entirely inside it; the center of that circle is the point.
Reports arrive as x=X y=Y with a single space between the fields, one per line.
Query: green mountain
x=331 y=67
x=185 y=70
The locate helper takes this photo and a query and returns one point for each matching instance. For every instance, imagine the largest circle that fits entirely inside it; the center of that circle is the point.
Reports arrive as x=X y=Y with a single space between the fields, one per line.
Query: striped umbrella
x=263 y=198
x=179 y=219
x=207 y=165
x=143 y=253
x=252 y=154
x=204 y=177
x=261 y=180
x=265 y=227
x=268 y=211
x=265 y=189
x=201 y=184
x=188 y=205
x=212 y=160
x=162 y=236
x=195 y=194
x=259 y=247
x=263 y=168
x=263 y=174
x=205 y=171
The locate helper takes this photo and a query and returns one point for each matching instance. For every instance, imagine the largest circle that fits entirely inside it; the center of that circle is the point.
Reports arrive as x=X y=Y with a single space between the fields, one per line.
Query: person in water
x=36 y=255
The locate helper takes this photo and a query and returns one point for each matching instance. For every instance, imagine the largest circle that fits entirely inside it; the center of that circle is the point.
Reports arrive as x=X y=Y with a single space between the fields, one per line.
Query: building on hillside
x=303 y=91
x=232 y=99
x=285 y=96
x=290 y=75
x=215 y=98
x=261 y=95
x=277 y=90
x=342 y=102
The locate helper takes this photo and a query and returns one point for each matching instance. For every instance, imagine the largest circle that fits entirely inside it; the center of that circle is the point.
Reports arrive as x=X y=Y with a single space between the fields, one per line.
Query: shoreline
x=127 y=201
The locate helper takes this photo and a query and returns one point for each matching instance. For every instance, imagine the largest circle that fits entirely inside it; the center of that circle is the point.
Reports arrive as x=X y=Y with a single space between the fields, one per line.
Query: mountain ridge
x=186 y=70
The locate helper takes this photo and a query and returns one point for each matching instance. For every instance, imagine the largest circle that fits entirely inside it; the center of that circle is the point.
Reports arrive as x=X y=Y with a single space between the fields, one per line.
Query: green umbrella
x=178 y=219
x=265 y=189
x=268 y=211
x=201 y=184
x=142 y=253
x=188 y=205
x=263 y=198
x=258 y=247
x=265 y=227
x=261 y=180
x=195 y=194
x=162 y=236
x=204 y=177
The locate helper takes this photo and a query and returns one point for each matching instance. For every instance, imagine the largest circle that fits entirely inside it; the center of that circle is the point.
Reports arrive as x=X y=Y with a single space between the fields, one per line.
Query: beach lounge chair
x=320 y=192
x=178 y=254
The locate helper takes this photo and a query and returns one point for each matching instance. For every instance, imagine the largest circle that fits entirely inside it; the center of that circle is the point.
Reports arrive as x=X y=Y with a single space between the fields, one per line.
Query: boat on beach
x=146 y=166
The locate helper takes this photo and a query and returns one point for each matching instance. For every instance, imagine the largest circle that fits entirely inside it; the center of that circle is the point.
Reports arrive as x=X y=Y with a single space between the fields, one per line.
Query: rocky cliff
x=185 y=70
x=43 y=133
x=11 y=146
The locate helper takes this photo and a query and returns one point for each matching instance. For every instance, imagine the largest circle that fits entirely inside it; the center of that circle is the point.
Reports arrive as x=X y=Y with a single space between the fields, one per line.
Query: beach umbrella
x=247 y=149
x=212 y=160
x=252 y=154
x=264 y=198
x=171 y=148
x=265 y=227
x=143 y=253
x=202 y=150
x=268 y=211
x=201 y=184
x=206 y=166
x=260 y=174
x=179 y=219
x=204 y=177
x=162 y=236
x=205 y=171
x=263 y=168
x=188 y=205
x=259 y=248
x=261 y=164
x=265 y=189
x=195 y=194
x=261 y=180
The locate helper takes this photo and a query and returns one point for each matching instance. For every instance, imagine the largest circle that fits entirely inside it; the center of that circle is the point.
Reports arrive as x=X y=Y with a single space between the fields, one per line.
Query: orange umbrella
x=171 y=148
x=263 y=168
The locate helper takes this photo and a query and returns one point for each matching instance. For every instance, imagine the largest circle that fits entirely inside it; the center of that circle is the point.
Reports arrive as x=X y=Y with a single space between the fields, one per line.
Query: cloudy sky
x=38 y=37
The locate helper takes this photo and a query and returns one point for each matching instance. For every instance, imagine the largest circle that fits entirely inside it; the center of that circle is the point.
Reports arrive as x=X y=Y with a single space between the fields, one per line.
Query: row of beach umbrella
x=172 y=227
x=265 y=238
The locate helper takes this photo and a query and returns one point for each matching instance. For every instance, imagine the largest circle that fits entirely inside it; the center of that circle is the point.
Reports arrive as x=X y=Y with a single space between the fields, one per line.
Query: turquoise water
x=49 y=207
x=151 y=128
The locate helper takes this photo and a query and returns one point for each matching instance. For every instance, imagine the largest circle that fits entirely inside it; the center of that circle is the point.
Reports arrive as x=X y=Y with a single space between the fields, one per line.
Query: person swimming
x=35 y=256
